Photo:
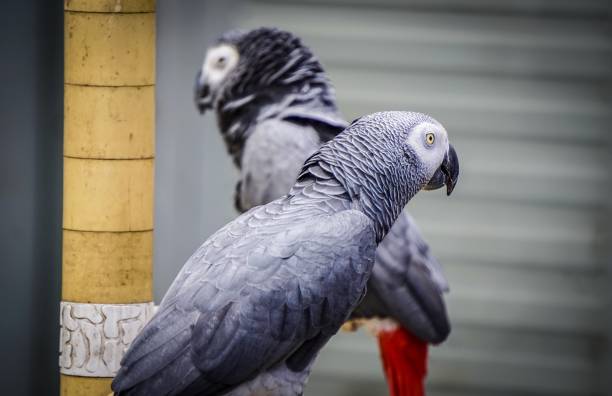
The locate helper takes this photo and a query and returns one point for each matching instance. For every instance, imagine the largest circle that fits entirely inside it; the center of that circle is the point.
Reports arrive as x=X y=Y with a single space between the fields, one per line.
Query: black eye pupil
x=221 y=60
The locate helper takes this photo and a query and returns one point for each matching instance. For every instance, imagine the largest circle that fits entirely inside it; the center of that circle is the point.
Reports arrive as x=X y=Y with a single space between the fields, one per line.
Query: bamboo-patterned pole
x=109 y=115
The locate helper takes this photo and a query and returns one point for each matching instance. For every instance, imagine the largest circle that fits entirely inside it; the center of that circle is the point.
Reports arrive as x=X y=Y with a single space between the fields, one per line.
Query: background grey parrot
x=252 y=307
x=274 y=108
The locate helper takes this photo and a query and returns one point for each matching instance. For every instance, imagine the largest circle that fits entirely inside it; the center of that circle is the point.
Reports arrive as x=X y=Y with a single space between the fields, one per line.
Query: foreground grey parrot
x=274 y=108
x=250 y=310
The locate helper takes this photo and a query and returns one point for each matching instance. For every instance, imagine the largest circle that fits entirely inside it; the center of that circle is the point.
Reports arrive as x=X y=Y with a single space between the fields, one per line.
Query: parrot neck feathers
x=360 y=187
x=373 y=183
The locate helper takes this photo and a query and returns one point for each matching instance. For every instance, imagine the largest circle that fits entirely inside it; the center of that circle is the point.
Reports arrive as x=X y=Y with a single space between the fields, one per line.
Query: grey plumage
x=255 y=303
x=260 y=180
x=274 y=109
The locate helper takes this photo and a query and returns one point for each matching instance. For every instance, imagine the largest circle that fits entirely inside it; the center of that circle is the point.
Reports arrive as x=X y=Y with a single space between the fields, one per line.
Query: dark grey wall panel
x=30 y=195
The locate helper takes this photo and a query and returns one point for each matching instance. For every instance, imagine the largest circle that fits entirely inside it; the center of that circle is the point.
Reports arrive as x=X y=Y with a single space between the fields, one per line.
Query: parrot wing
x=407 y=284
x=269 y=287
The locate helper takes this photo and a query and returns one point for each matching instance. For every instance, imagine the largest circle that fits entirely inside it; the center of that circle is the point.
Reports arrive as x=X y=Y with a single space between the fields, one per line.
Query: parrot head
x=243 y=65
x=384 y=159
x=219 y=62
x=427 y=140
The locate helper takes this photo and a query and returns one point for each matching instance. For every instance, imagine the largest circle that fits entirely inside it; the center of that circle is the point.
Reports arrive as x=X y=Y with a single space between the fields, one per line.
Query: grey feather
x=287 y=146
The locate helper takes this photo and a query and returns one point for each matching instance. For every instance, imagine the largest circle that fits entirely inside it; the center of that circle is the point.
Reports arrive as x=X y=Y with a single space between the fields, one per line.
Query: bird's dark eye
x=430 y=138
x=221 y=61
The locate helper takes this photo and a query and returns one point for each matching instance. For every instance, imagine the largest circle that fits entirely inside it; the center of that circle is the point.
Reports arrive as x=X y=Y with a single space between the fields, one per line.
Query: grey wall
x=30 y=195
x=194 y=176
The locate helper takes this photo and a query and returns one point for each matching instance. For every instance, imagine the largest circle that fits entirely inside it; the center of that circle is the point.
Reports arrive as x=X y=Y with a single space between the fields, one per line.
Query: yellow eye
x=430 y=138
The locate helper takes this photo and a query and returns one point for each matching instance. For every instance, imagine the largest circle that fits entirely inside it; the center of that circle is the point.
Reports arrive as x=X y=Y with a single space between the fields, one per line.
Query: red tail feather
x=404 y=360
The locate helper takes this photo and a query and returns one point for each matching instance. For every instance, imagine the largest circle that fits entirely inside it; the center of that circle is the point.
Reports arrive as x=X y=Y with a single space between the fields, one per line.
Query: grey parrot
x=275 y=107
x=250 y=310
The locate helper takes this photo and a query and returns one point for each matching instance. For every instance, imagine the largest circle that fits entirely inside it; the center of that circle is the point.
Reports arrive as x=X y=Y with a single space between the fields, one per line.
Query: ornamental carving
x=94 y=337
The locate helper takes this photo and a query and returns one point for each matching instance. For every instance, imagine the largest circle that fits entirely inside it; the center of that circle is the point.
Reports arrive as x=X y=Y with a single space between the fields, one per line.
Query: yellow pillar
x=109 y=116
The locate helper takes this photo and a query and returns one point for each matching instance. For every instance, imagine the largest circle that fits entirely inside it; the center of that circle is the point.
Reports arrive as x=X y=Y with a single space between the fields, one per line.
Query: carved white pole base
x=94 y=337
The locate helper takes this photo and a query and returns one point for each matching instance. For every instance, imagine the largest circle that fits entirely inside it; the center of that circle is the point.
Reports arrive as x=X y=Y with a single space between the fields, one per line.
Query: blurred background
x=523 y=87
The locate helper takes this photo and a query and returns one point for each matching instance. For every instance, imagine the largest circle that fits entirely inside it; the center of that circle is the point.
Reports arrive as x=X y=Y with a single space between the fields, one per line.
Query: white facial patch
x=430 y=142
x=218 y=63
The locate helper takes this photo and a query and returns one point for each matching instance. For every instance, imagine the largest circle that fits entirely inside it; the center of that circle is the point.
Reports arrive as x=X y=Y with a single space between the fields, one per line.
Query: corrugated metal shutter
x=522 y=87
